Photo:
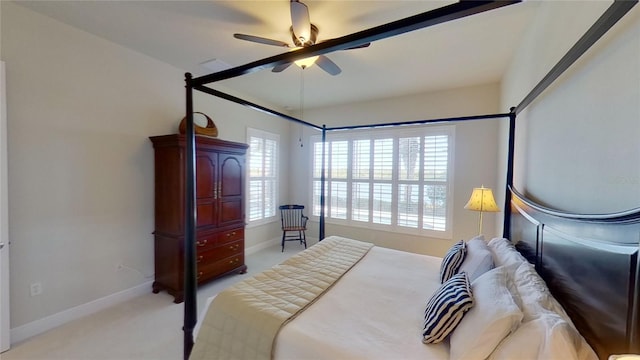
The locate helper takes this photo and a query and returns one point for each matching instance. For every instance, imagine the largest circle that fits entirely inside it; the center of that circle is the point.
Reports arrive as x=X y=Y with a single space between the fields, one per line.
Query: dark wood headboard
x=590 y=264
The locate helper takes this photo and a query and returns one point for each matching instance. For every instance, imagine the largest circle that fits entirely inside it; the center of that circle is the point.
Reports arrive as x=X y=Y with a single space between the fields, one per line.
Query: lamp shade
x=482 y=200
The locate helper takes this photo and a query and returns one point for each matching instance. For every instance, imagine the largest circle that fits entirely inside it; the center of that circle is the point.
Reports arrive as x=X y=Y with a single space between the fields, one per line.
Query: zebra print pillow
x=446 y=308
x=452 y=260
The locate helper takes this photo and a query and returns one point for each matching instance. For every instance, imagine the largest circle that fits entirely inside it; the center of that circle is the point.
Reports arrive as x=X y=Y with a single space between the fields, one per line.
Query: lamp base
x=480 y=224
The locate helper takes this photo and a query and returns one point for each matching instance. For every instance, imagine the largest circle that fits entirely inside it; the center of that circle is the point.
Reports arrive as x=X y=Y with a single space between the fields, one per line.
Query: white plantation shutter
x=382 y=170
x=392 y=179
x=409 y=159
x=316 y=197
x=270 y=177
x=317 y=160
x=381 y=204
x=361 y=159
x=435 y=167
x=339 y=157
x=360 y=201
x=263 y=175
x=409 y=156
x=436 y=158
x=338 y=200
x=382 y=159
x=435 y=207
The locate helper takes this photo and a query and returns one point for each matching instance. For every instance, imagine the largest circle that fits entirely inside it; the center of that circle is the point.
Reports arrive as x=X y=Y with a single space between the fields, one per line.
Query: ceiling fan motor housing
x=308 y=42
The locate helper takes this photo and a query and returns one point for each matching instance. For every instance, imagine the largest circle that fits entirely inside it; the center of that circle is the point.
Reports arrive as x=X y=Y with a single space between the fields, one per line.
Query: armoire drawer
x=209 y=271
x=206 y=240
x=205 y=257
x=231 y=235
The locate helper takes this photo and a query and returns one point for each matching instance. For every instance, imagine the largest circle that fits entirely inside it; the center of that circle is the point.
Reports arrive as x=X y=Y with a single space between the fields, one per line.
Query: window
x=394 y=180
x=262 y=182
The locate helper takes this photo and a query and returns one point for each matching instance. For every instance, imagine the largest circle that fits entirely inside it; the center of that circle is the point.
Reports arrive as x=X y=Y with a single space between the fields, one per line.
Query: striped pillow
x=446 y=308
x=452 y=260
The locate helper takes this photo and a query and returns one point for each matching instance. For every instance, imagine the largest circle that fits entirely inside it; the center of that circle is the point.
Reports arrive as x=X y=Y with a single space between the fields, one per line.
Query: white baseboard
x=262 y=245
x=34 y=328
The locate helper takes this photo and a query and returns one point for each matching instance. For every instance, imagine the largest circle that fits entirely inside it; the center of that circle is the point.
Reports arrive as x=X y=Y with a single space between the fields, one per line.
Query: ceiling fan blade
x=300 y=21
x=280 y=68
x=260 y=40
x=327 y=65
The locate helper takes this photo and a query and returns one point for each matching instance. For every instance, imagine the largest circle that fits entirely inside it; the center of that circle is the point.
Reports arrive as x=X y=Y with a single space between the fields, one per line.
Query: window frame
x=371 y=134
x=264 y=135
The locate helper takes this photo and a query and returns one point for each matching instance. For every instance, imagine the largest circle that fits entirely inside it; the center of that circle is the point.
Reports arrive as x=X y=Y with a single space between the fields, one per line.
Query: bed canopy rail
x=447 y=13
x=254 y=106
x=420 y=122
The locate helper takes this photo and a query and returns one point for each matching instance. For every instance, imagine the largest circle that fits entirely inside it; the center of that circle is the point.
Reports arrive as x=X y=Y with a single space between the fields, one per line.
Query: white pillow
x=505 y=254
x=534 y=294
x=478 y=259
x=547 y=337
x=493 y=317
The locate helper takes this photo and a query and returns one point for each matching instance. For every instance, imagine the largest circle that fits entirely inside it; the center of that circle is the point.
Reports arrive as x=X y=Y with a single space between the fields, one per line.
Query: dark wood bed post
x=506 y=224
x=322 y=178
x=634 y=316
x=190 y=299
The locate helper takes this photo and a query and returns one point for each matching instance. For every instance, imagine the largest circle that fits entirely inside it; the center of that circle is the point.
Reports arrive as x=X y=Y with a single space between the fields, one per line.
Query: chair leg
x=283 y=234
x=304 y=239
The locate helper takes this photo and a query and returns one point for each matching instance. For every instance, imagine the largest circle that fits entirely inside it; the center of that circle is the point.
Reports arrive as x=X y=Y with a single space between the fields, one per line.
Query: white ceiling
x=470 y=51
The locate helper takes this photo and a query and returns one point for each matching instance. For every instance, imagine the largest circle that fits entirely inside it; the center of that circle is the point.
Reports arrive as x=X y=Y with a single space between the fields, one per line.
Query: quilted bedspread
x=243 y=320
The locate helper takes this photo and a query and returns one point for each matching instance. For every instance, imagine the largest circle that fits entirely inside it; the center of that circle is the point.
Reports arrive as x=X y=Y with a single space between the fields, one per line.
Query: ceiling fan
x=303 y=34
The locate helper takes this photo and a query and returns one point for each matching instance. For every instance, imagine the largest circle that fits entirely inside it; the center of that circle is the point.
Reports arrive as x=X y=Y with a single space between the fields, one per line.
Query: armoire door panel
x=205 y=175
x=206 y=214
x=230 y=176
x=231 y=211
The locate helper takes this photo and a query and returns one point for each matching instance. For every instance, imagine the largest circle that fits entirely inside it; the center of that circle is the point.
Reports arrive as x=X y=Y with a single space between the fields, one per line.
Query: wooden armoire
x=220 y=188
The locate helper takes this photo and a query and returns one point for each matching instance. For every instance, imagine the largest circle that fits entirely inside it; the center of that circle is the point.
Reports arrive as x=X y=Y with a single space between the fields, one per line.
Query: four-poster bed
x=550 y=240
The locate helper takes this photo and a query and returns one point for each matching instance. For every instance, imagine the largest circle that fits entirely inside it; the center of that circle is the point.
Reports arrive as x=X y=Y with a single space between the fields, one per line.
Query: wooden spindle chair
x=293 y=221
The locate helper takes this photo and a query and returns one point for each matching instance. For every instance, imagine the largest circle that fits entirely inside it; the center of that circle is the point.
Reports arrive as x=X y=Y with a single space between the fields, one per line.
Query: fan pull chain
x=301 y=104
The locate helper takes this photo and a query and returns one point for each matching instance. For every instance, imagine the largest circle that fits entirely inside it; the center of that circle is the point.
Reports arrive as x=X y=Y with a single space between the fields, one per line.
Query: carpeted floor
x=147 y=327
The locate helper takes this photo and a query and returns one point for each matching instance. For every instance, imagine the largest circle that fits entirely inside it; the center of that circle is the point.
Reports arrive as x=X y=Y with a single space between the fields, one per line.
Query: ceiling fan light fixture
x=306 y=62
x=303 y=34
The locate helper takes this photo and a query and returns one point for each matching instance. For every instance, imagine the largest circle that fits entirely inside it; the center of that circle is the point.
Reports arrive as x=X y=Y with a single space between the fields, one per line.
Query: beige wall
x=80 y=111
x=476 y=151
x=577 y=145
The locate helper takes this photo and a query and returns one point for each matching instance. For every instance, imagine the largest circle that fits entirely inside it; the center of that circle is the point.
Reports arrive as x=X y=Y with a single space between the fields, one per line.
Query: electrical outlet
x=35 y=289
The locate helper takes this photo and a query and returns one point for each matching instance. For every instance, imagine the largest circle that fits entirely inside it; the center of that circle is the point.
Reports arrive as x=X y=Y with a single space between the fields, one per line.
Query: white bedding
x=374 y=312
